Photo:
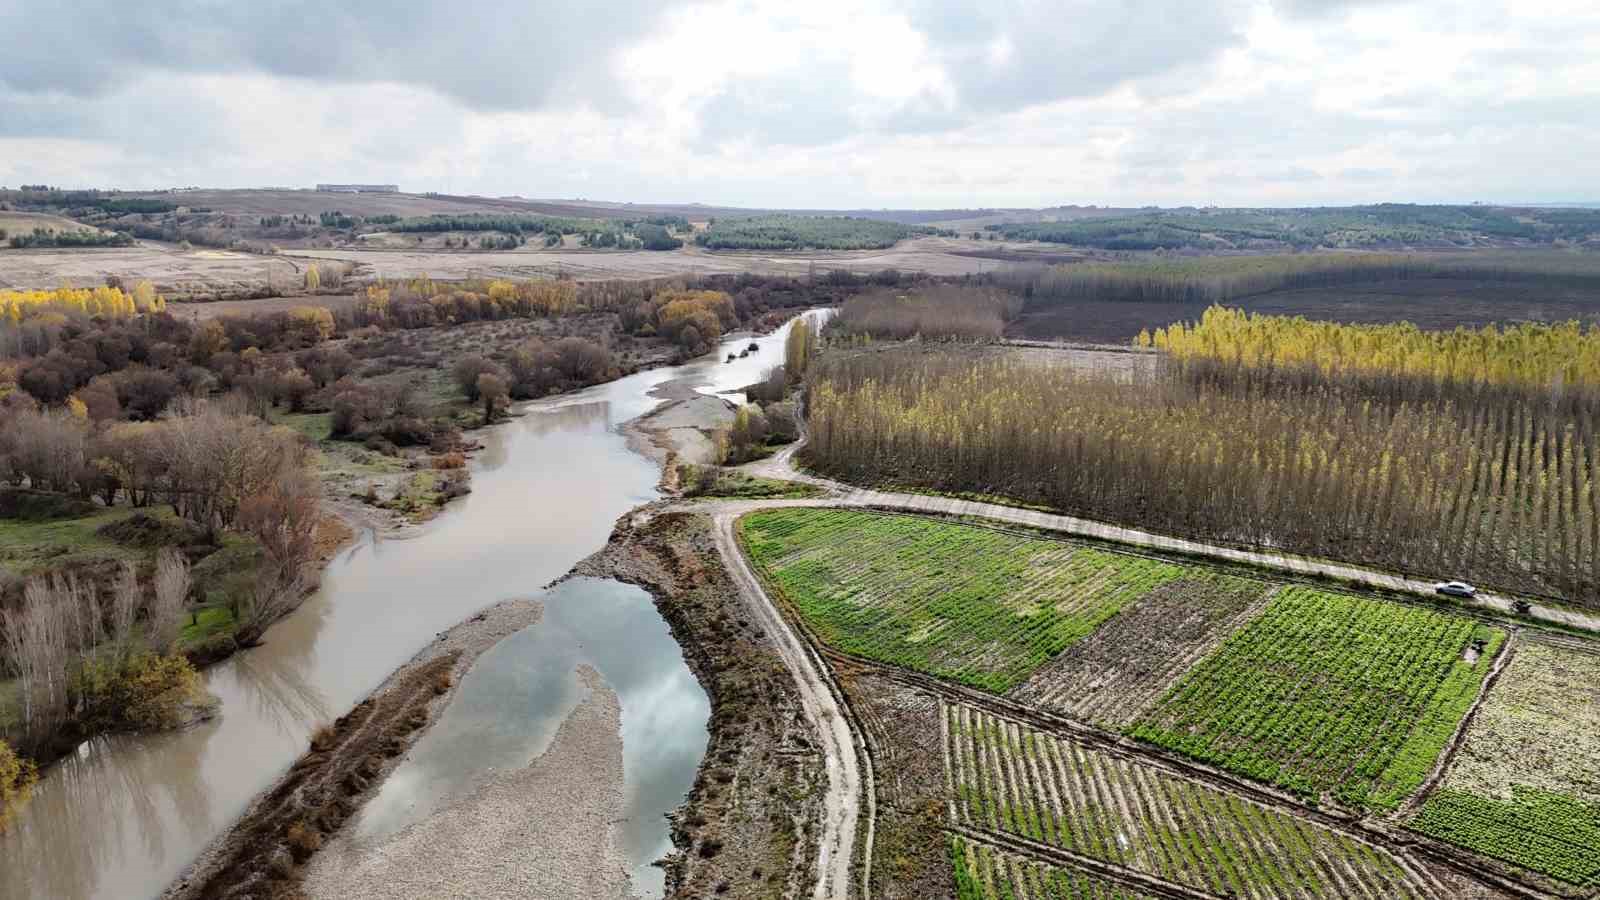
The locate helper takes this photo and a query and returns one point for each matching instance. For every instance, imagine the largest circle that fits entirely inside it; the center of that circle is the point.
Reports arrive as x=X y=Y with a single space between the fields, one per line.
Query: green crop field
x=984 y=873
x=1525 y=785
x=1327 y=692
x=971 y=604
x=1012 y=779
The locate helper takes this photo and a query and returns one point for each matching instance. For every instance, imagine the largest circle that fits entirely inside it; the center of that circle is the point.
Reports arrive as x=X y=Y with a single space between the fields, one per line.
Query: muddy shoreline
x=264 y=852
x=490 y=844
x=749 y=825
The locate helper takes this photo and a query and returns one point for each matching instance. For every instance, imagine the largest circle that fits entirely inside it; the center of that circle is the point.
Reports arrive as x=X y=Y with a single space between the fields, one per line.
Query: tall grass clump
x=1507 y=494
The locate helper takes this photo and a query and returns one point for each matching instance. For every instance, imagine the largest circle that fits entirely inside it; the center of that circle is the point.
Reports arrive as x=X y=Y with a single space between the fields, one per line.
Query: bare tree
x=168 y=600
x=38 y=642
x=283 y=518
x=124 y=608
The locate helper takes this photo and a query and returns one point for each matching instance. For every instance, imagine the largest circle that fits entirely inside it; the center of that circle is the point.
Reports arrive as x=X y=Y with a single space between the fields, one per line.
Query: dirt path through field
x=845 y=763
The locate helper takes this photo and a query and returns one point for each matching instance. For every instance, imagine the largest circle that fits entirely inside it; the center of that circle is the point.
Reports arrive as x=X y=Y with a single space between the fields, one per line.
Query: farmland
x=984 y=873
x=1013 y=779
x=978 y=606
x=1114 y=301
x=1319 y=694
x=1523 y=787
x=1127 y=663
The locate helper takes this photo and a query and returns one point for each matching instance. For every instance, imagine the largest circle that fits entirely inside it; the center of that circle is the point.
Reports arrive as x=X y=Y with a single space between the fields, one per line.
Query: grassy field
x=737 y=485
x=977 y=606
x=29 y=547
x=1012 y=779
x=1525 y=785
x=1324 y=693
x=26 y=222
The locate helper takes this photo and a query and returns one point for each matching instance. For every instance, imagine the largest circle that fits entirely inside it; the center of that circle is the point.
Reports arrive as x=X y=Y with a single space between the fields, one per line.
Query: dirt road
x=848 y=767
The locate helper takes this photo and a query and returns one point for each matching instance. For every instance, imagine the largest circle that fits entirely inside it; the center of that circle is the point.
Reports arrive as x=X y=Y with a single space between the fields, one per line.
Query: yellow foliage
x=77 y=407
x=1526 y=355
x=315 y=321
x=17 y=776
x=145 y=691
x=101 y=301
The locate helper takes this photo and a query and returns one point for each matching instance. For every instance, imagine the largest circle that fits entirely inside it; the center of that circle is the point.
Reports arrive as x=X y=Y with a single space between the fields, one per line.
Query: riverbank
x=264 y=853
x=491 y=845
x=748 y=827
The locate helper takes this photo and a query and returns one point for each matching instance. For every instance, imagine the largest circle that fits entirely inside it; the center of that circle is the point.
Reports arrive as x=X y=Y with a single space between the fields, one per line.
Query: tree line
x=786 y=232
x=1385 y=224
x=1506 y=494
x=1533 y=356
x=1219 y=279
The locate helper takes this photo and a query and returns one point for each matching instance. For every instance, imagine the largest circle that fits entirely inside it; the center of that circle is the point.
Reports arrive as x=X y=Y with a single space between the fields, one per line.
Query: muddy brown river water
x=126 y=814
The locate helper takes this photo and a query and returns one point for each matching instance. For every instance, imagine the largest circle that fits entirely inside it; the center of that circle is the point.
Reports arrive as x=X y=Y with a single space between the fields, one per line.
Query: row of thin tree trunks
x=1503 y=493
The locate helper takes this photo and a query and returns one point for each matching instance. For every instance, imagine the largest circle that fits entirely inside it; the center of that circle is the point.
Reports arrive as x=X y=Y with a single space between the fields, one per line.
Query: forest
x=652 y=233
x=1534 y=358
x=1382 y=225
x=789 y=232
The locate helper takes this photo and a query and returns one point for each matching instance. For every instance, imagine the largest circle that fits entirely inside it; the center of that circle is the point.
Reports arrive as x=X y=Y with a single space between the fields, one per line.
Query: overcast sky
x=868 y=103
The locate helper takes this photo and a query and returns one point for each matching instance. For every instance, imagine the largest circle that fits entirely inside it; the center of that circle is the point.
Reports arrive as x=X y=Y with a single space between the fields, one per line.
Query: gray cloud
x=997 y=57
x=1315 y=9
x=519 y=55
x=1008 y=102
x=1081 y=48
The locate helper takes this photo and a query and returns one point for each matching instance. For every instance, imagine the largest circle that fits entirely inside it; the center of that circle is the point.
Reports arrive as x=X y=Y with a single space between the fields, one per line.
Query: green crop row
x=1009 y=778
x=1320 y=693
x=978 y=606
x=1415 y=759
x=982 y=873
x=1545 y=832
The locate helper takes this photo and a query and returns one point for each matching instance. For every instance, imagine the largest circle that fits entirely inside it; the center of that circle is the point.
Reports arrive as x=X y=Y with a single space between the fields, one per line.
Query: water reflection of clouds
x=515 y=697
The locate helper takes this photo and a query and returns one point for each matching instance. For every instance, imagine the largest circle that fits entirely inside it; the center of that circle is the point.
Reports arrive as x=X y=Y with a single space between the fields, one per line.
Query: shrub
x=304 y=839
x=466 y=374
x=17 y=776
x=144 y=691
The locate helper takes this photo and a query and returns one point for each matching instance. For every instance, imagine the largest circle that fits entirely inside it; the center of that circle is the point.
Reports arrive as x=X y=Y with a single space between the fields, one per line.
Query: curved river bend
x=126 y=814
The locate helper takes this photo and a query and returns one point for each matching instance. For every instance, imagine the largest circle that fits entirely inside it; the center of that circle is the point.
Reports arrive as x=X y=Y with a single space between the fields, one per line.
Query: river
x=125 y=815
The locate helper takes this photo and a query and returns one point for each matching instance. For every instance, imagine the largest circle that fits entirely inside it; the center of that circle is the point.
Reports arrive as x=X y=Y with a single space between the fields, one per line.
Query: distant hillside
x=1392 y=225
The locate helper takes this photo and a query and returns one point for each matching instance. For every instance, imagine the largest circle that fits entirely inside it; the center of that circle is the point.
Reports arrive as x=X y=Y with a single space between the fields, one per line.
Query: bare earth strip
x=1112 y=674
x=494 y=843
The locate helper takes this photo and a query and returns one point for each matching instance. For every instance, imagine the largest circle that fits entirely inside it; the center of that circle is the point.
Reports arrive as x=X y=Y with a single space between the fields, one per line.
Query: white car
x=1455 y=589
